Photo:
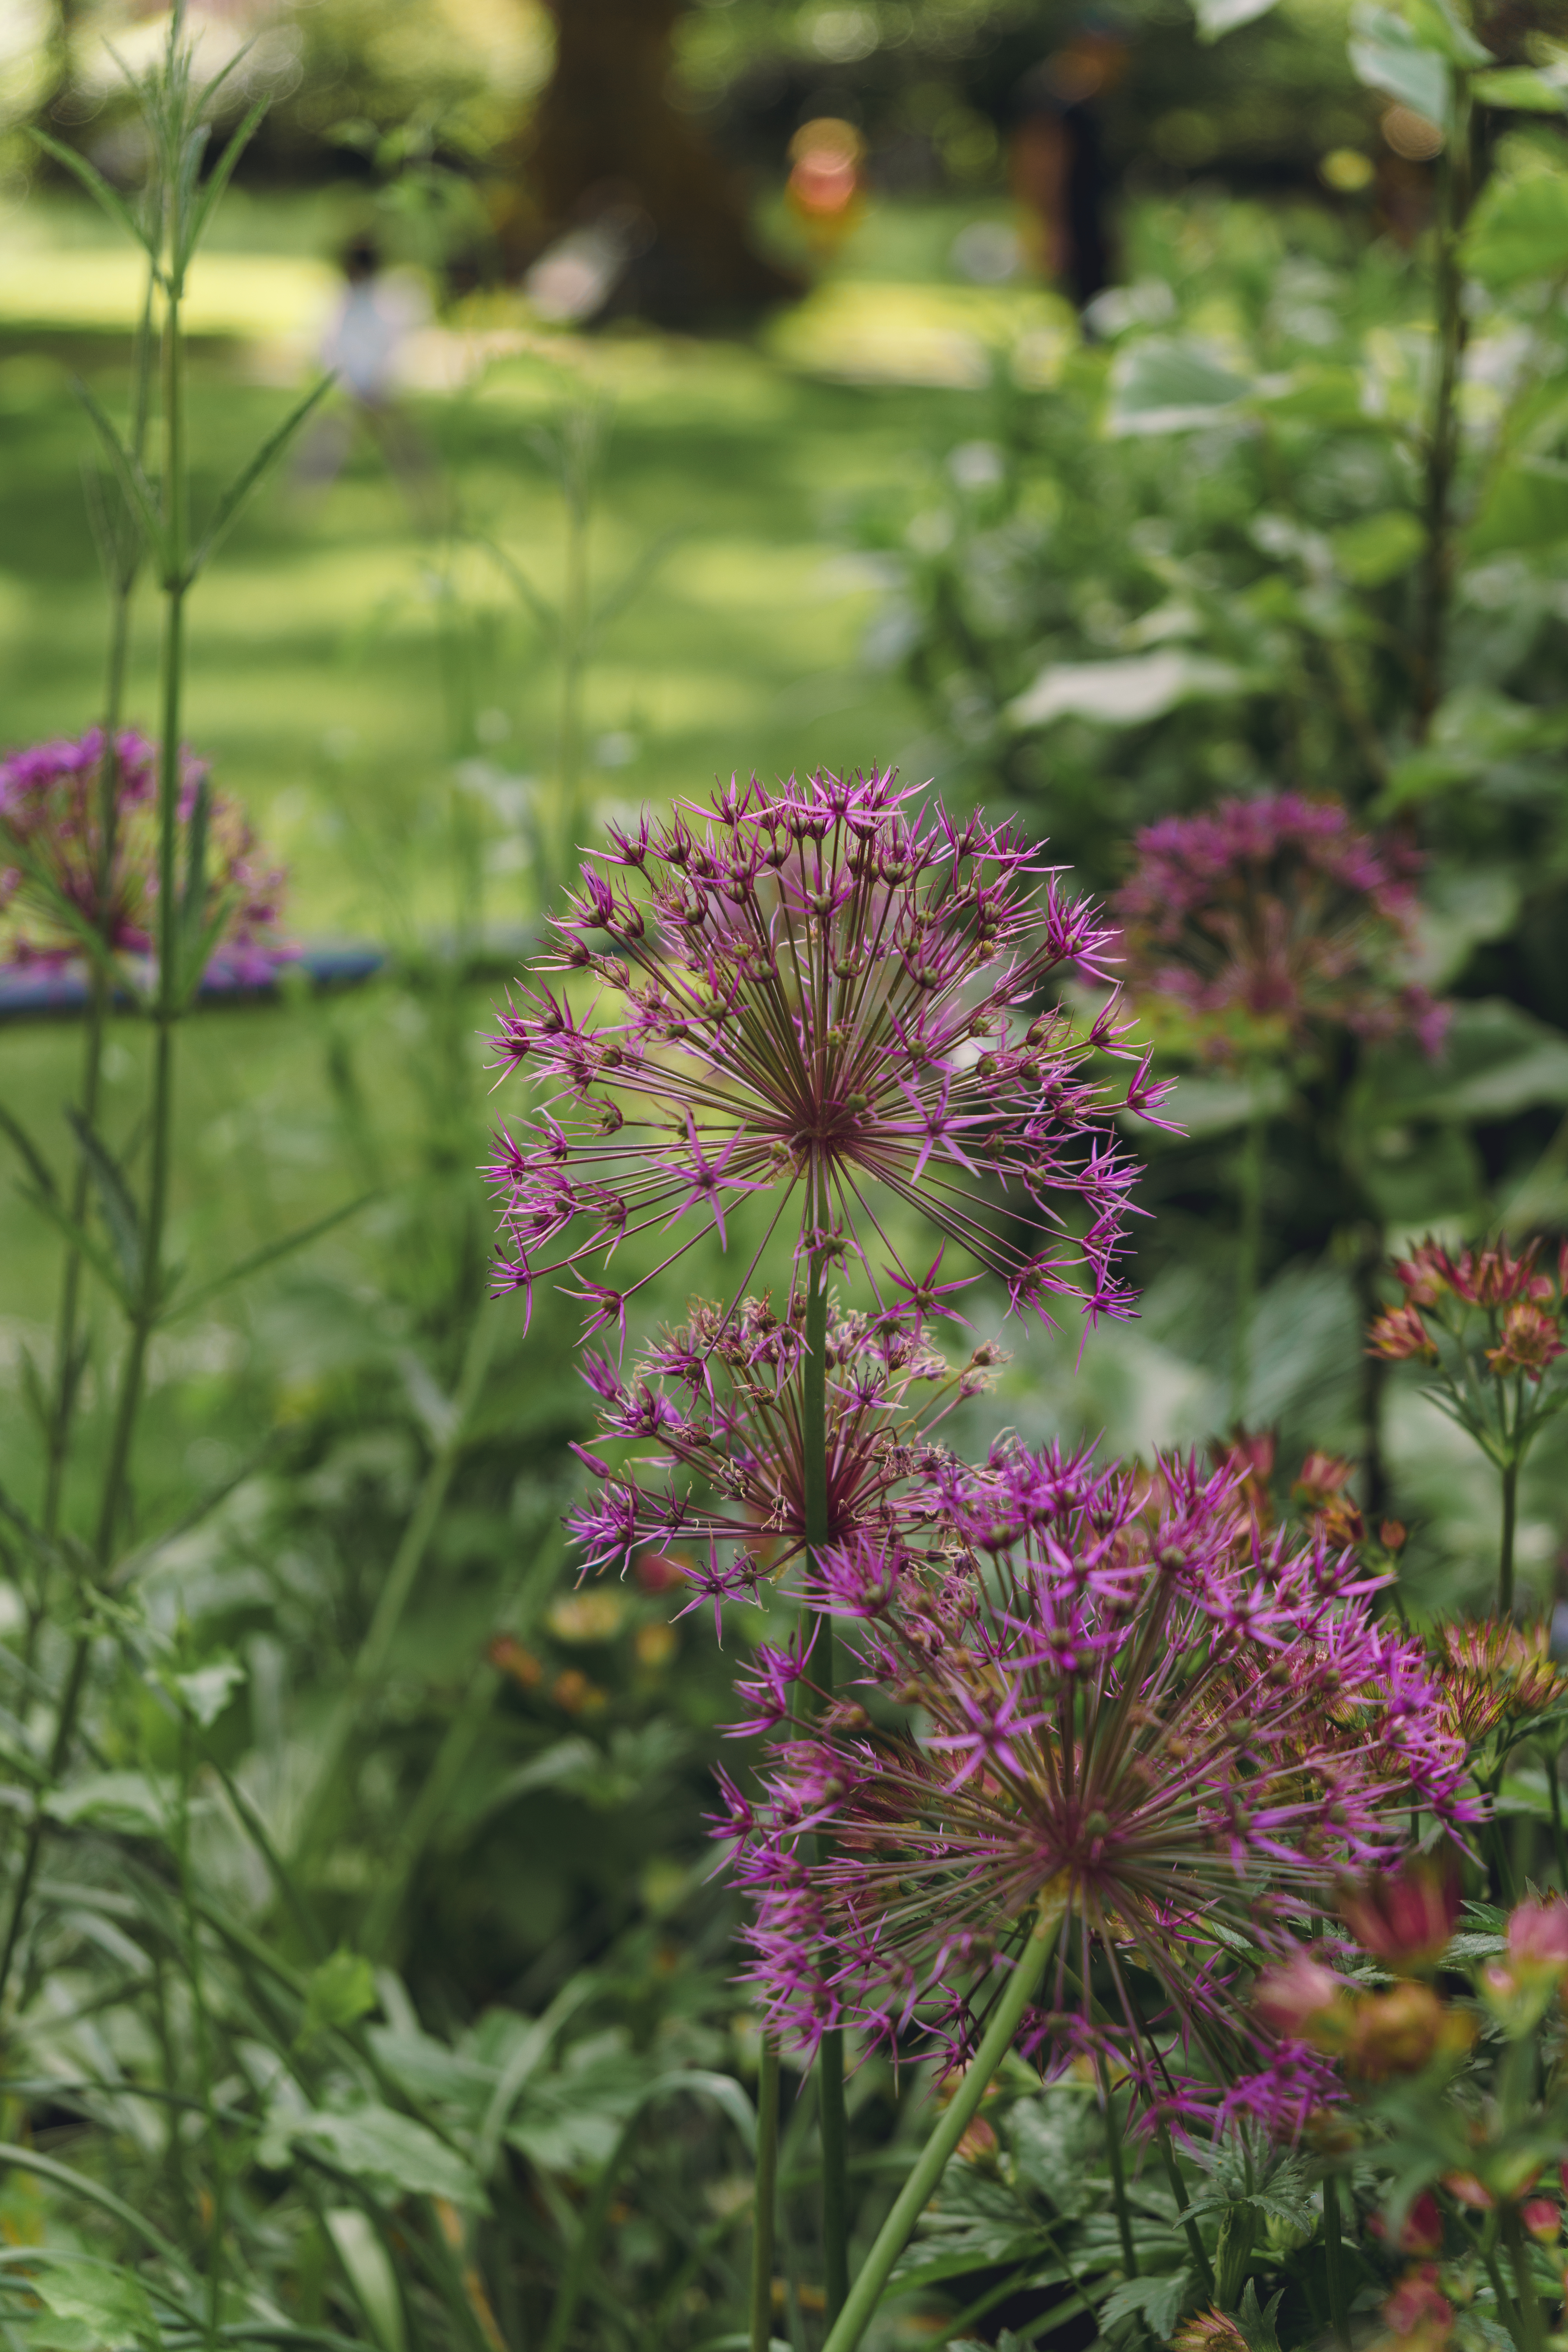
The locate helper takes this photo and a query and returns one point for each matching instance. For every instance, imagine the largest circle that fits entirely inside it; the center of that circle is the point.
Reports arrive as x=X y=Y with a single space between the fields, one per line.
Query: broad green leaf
x=1498 y=1059
x=1519 y=229
x=1217 y=18
x=108 y=2300
x=1520 y=89
x=1159 y=2301
x=1437 y=26
x=370 y=2273
x=1167 y=386
x=1387 y=54
x=1127 y=693
x=1377 y=548
x=128 y=1801
x=1317 y=395
x=1529 y=508
x=390 y=2154
x=207 y=1691
x=338 y=1993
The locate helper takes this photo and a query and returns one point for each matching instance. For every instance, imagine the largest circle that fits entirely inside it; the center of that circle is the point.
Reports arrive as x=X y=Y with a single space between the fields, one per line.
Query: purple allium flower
x=1274 y=919
x=53 y=891
x=803 y=993
x=720 y=1401
x=1122 y=1687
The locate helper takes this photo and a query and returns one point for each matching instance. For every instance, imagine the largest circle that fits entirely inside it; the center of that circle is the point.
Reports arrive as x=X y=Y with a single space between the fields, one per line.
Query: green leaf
x=218 y=181
x=1498 y=1060
x=1437 y=26
x=1258 y=2326
x=389 y=2154
x=116 y=1205
x=1387 y=54
x=129 y=474
x=1159 y=2301
x=109 y=2301
x=129 y=1802
x=96 y=187
x=1377 y=548
x=246 y=1266
x=1519 y=229
x=1528 y=509
x=1165 y=386
x=228 y=506
x=205 y=1692
x=368 y=2268
x=339 y=1992
x=1520 y=89
x=87 y=1245
x=1127 y=693
x=1217 y=18
x=32 y=1158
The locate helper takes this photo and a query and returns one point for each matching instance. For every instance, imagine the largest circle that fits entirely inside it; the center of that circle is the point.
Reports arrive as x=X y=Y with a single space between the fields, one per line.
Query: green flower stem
x=67 y=1371
x=1248 y=1253
x=765 y=2197
x=1334 y=2259
x=1435 y=580
x=918 y=2189
x=148 y=1299
x=1554 y=1799
x=1195 y=2246
x=830 y=2055
x=1118 y=2177
x=1505 y=1554
x=1532 y=2325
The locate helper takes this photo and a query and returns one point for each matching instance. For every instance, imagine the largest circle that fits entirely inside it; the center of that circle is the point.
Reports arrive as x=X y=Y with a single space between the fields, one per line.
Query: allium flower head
x=53 y=889
x=720 y=1398
x=1120 y=1687
x=1273 y=919
x=805 y=994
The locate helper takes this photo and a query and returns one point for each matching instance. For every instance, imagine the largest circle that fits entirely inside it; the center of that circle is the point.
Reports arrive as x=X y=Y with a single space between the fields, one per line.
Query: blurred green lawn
x=343 y=658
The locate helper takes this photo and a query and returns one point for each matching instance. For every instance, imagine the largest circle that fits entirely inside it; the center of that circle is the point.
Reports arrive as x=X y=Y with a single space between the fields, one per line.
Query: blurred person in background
x=363 y=346
x=1056 y=160
x=822 y=191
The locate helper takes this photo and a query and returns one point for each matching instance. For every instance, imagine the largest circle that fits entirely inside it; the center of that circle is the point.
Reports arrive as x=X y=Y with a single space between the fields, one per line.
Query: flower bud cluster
x=1526 y=1307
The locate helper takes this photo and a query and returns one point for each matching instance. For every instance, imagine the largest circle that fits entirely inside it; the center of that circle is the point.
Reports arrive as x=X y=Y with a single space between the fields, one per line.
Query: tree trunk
x=608 y=144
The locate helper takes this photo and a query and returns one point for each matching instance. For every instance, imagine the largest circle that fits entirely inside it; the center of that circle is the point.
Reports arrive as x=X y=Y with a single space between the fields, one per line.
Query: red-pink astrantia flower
x=1120 y=1687
x=56 y=888
x=1282 y=913
x=803 y=994
x=720 y=1401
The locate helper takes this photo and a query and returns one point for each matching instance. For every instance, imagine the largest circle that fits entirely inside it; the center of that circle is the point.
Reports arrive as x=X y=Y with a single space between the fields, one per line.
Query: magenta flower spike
x=54 y=895
x=807 y=994
x=1118 y=1688
x=1282 y=914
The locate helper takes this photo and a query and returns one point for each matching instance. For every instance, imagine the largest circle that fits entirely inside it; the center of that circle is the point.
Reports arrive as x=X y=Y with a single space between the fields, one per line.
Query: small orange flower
x=1400 y=1335
x=1531 y=1341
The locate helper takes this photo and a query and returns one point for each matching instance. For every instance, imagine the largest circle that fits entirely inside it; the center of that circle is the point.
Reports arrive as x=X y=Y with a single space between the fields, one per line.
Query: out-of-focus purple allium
x=803 y=993
x=1120 y=1687
x=1275 y=918
x=722 y=1401
x=53 y=889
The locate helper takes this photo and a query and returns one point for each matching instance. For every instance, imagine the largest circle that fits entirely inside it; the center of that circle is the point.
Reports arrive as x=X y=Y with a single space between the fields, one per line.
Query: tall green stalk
x=1435 y=581
x=1505 y=1551
x=830 y=2052
x=916 y=2191
x=1334 y=2259
x=764 y=2198
x=125 y=559
x=1248 y=1251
